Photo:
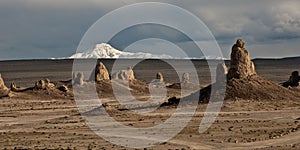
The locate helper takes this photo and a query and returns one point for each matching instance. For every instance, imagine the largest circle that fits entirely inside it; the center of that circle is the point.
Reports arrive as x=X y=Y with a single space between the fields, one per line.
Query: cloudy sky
x=53 y=28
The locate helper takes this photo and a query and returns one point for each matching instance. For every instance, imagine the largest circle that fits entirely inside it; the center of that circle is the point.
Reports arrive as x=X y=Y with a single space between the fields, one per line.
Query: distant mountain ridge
x=283 y=58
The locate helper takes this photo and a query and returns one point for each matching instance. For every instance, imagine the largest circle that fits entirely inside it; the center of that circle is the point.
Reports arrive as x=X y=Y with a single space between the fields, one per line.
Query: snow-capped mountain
x=107 y=51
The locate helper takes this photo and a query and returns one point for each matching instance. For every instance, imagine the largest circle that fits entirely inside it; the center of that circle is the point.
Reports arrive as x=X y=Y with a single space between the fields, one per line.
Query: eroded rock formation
x=13 y=87
x=241 y=65
x=185 y=77
x=293 y=81
x=221 y=73
x=63 y=88
x=126 y=75
x=4 y=91
x=160 y=77
x=78 y=79
x=101 y=72
x=43 y=84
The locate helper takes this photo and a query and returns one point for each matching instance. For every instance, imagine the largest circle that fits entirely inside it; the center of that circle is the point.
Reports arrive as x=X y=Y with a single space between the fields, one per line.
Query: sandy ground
x=40 y=120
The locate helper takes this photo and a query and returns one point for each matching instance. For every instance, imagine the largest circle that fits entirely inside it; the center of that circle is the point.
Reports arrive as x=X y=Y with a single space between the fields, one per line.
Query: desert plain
x=50 y=119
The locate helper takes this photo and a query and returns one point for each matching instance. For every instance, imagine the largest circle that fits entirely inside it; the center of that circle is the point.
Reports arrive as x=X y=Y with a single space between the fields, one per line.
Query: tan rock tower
x=79 y=79
x=101 y=72
x=160 y=77
x=4 y=91
x=241 y=65
x=221 y=73
x=185 y=77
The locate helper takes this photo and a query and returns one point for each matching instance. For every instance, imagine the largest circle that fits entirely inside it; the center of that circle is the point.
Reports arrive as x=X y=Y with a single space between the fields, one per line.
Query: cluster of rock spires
x=185 y=77
x=241 y=81
x=101 y=74
x=47 y=84
x=104 y=81
x=126 y=75
x=184 y=84
x=43 y=84
x=39 y=85
x=241 y=66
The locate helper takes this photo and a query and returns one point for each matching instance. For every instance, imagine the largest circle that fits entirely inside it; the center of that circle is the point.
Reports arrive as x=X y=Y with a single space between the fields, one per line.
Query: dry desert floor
x=47 y=120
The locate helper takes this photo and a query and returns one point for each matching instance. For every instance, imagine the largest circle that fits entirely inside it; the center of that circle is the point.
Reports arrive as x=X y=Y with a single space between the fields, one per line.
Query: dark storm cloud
x=145 y=31
x=44 y=28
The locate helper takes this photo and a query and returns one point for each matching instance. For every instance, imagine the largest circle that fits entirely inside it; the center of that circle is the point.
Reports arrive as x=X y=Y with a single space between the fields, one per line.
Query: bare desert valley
x=258 y=113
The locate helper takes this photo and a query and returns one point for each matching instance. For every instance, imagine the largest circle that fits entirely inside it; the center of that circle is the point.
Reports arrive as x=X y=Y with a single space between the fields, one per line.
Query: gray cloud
x=43 y=29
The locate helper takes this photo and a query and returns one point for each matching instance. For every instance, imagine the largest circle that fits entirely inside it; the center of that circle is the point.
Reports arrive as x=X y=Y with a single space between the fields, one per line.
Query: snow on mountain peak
x=105 y=50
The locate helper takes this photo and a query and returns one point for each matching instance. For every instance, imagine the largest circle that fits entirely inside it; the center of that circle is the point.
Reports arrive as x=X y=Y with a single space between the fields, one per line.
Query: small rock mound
x=101 y=72
x=78 y=79
x=185 y=78
x=293 y=81
x=4 y=91
x=63 y=88
x=13 y=87
x=186 y=83
x=44 y=84
x=39 y=85
x=158 y=82
x=257 y=88
x=126 y=75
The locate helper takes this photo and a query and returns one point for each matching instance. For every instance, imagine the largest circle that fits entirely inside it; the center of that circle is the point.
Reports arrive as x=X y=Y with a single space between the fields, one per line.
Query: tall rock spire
x=241 y=65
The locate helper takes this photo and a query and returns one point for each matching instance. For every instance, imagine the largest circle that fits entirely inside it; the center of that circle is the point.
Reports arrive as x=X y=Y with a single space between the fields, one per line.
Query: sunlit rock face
x=241 y=65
